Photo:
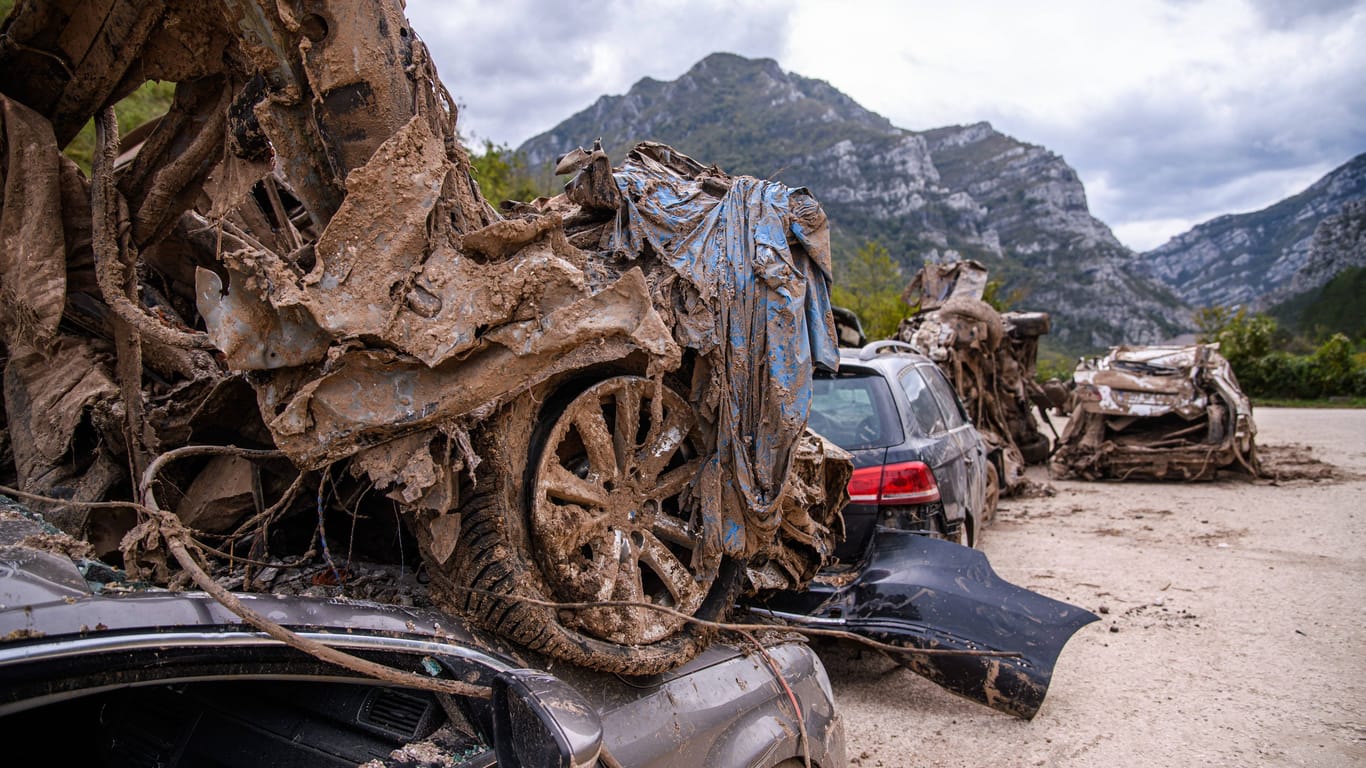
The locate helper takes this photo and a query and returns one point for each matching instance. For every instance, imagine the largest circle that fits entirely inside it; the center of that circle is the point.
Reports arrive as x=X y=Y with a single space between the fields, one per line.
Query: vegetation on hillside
x=1262 y=357
x=869 y=282
x=1337 y=307
x=151 y=100
x=502 y=174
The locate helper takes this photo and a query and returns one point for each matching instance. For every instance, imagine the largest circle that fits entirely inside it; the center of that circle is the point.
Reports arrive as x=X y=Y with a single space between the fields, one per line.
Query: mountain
x=1328 y=293
x=1258 y=259
x=953 y=192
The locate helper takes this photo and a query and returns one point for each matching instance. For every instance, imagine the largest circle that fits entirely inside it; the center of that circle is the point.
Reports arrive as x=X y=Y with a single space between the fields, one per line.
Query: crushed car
x=593 y=400
x=279 y=328
x=1159 y=413
x=133 y=675
x=989 y=356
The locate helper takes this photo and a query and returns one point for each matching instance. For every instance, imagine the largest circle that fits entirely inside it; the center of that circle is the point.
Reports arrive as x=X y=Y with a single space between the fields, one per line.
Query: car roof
x=884 y=356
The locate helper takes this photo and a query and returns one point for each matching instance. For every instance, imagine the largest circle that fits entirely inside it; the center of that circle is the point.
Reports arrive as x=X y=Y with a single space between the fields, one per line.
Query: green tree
x=1243 y=338
x=502 y=174
x=1330 y=367
x=870 y=284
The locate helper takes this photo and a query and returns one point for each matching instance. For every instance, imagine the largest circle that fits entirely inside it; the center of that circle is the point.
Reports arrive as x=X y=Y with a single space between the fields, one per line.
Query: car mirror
x=539 y=720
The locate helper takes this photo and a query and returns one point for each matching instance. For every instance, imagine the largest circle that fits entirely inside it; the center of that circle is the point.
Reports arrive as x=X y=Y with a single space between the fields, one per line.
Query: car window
x=929 y=419
x=943 y=393
x=855 y=411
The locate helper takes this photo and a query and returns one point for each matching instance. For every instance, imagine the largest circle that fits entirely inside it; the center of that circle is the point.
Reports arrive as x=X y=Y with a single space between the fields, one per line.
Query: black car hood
x=920 y=592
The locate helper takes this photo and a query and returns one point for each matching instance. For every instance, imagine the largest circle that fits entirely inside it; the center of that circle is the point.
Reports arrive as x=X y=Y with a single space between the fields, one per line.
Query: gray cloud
x=1215 y=109
x=521 y=67
x=1288 y=14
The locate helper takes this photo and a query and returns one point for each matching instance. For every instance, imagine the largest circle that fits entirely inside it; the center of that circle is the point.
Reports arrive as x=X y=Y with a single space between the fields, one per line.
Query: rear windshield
x=855 y=411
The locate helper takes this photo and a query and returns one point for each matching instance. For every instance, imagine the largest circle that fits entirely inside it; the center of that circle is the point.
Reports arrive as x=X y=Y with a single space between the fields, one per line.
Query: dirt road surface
x=1232 y=632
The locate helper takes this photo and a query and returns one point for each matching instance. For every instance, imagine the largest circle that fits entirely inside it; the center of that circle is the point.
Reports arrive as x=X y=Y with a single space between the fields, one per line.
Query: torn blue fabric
x=755 y=257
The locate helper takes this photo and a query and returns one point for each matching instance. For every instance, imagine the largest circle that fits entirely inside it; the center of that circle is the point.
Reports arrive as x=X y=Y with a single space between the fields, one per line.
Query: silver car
x=150 y=677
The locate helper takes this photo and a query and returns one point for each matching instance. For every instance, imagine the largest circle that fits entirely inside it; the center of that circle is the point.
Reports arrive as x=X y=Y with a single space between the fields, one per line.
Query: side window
x=924 y=410
x=948 y=401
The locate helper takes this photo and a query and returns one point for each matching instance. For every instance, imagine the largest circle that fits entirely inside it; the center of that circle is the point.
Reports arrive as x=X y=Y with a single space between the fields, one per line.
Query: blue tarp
x=755 y=258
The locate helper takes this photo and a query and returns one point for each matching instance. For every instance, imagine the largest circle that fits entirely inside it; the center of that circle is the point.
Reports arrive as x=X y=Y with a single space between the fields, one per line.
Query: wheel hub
x=611 y=516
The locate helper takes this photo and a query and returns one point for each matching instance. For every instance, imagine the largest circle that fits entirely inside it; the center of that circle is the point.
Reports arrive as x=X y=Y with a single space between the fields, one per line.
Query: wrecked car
x=140 y=676
x=918 y=462
x=989 y=356
x=1161 y=412
x=278 y=330
x=587 y=413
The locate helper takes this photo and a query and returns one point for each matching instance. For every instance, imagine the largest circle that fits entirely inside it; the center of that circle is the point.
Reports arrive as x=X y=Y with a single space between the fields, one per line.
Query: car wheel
x=993 y=495
x=1035 y=451
x=589 y=499
x=963 y=534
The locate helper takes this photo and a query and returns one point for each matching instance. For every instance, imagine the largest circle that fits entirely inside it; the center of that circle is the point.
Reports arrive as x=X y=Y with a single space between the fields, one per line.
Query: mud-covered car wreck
x=990 y=358
x=1159 y=413
x=597 y=398
x=280 y=330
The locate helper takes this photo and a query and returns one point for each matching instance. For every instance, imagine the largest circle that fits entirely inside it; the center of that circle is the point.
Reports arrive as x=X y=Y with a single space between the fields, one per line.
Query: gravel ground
x=1233 y=626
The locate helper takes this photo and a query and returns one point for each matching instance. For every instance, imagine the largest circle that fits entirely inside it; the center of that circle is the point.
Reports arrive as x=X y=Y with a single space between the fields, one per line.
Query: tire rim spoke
x=597 y=441
x=606 y=566
x=675 y=575
x=560 y=483
x=675 y=480
x=674 y=531
x=627 y=426
x=629 y=585
x=663 y=441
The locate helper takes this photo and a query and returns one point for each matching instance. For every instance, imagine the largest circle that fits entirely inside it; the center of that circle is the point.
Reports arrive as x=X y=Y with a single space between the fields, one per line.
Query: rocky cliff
x=1256 y=259
x=954 y=192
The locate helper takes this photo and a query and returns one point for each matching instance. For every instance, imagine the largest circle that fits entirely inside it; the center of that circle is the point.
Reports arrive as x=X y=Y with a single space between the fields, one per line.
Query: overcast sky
x=1172 y=111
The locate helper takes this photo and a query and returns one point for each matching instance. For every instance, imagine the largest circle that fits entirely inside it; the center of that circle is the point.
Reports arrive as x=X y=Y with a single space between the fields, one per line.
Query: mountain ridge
x=964 y=191
x=1262 y=257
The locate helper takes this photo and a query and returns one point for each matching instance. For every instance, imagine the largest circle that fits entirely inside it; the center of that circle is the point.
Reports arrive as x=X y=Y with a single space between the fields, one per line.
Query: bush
x=1333 y=369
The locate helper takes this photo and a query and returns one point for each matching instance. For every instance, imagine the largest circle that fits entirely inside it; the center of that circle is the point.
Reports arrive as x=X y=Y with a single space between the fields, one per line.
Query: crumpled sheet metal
x=988 y=356
x=1161 y=412
x=818 y=489
x=32 y=238
x=916 y=591
x=342 y=259
x=935 y=284
x=368 y=396
x=762 y=308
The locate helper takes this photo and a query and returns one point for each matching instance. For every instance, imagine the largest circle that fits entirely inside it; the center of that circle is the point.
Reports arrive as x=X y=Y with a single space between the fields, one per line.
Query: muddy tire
x=588 y=499
x=976 y=311
x=993 y=496
x=1036 y=451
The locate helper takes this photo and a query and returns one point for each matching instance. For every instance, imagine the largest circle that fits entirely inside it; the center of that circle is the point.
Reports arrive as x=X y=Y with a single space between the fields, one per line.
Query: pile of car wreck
x=324 y=460
x=1141 y=412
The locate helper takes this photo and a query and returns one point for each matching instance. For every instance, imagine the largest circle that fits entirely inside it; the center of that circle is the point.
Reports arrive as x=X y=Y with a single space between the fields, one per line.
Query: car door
x=943 y=452
x=970 y=471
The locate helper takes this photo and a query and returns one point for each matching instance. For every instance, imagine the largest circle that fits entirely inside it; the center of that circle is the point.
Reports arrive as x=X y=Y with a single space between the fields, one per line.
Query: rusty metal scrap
x=297 y=256
x=1159 y=413
x=989 y=357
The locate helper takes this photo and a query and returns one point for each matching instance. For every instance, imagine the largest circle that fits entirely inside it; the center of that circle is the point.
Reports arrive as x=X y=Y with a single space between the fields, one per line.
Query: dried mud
x=1231 y=632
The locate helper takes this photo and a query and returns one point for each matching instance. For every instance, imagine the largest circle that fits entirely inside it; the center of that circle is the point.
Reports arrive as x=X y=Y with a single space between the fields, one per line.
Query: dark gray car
x=918 y=462
x=134 y=677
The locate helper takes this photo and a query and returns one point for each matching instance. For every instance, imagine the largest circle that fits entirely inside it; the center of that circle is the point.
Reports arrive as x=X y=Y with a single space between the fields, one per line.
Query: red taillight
x=865 y=486
x=910 y=482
